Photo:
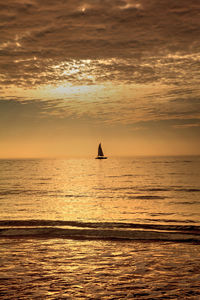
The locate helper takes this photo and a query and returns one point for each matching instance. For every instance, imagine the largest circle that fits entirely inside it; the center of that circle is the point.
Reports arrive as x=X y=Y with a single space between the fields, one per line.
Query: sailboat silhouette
x=100 y=153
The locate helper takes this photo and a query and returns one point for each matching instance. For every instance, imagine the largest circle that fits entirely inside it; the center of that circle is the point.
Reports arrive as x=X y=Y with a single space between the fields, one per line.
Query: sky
x=75 y=73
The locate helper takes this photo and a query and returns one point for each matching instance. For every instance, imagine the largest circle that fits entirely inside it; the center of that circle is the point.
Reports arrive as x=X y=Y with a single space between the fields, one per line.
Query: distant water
x=120 y=228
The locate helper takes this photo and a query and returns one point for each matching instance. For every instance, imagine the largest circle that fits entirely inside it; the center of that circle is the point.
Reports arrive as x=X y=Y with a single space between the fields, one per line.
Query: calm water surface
x=87 y=229
x=155 y=190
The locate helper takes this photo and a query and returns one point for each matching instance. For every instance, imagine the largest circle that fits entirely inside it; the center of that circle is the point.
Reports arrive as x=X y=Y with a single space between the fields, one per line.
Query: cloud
x=129 y=63
x=126 y=104
x=188 y=125
x=140 y=41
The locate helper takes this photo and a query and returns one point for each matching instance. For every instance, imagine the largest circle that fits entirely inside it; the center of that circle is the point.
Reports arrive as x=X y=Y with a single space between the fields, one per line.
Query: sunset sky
x=122 y=72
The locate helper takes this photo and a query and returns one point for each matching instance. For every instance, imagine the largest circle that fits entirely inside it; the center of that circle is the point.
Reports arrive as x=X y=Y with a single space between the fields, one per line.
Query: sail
x=100 y=151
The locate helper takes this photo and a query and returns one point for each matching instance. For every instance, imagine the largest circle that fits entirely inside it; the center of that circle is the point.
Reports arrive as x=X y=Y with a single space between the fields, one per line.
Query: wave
x=147 y=197
x=175 y=161
x=127 y=189
x=187 y=190
x=98 y=230
x=147 y=189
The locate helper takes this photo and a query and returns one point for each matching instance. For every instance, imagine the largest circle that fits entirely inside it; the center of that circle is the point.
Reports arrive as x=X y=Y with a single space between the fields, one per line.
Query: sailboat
x=100 y=153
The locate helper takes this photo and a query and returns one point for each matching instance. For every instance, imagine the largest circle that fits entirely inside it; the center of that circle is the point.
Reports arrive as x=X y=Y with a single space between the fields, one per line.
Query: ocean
x=121 y=228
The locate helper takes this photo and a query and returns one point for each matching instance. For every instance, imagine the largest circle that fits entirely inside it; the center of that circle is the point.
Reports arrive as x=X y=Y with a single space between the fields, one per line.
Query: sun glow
x=81 y=69
x=67 y=90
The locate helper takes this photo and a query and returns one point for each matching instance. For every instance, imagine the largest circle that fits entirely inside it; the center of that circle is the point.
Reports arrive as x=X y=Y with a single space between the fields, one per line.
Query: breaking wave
x=97 y=230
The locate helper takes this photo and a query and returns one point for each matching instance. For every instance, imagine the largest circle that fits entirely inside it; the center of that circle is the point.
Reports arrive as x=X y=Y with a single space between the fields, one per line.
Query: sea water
x=100 y=229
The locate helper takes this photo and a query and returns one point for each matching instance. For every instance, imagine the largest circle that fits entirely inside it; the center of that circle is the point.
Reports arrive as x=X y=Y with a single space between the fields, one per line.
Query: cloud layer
x=79 y=68
x=122 y=40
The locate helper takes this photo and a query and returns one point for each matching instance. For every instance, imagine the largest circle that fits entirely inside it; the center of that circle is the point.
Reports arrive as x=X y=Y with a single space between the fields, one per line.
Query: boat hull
x=101 y=157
